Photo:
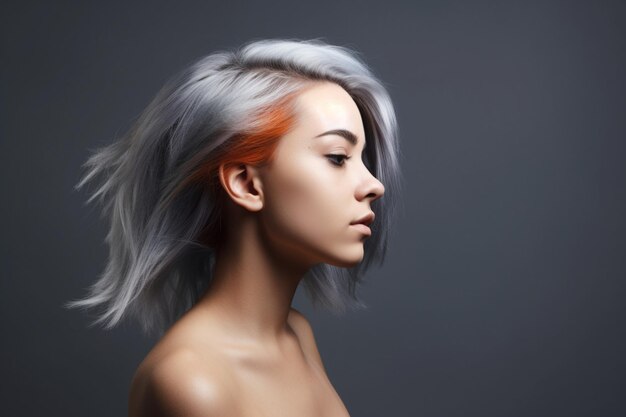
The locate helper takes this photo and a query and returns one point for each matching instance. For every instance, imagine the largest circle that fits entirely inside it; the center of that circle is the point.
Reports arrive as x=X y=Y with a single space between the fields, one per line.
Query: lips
x=366 y=219
x=362 y=224
x=362 y=228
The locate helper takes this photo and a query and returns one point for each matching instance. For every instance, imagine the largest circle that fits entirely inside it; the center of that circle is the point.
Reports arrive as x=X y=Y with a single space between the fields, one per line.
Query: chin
x=347 y=258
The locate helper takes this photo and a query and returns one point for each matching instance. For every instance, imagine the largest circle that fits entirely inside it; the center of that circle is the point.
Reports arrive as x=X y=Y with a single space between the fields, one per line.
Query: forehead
x=327 y=106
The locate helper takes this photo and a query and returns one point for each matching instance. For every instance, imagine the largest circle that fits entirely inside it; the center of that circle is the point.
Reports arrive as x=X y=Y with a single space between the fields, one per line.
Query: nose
x=370 y=187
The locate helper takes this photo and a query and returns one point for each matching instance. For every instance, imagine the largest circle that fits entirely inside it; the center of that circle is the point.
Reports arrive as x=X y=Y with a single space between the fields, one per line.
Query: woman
x=249 y=172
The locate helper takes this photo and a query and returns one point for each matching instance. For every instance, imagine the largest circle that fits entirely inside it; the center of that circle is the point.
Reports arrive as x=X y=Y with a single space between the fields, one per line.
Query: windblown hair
x=159 y=188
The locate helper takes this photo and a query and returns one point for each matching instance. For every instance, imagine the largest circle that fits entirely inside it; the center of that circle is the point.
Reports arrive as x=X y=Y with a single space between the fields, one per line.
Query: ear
x=243 y=184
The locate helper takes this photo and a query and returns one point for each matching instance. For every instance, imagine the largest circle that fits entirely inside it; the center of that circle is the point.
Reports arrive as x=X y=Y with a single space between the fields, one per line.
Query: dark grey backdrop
x=503 y=293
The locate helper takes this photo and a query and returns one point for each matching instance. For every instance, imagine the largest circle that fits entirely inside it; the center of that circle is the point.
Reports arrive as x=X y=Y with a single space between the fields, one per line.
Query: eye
x=337 y=159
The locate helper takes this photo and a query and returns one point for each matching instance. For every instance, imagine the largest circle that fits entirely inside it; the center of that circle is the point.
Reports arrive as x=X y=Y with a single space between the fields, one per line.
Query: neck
x=253 y=286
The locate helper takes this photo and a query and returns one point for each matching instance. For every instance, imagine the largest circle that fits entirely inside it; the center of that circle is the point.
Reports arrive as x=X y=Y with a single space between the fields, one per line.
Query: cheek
x=303 y=203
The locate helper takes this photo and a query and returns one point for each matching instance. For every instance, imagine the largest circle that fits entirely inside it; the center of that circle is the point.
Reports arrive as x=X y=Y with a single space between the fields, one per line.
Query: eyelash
x=343 y=159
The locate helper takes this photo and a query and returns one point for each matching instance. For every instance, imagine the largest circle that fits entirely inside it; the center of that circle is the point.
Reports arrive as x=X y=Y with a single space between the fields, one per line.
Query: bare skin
x=242 y=350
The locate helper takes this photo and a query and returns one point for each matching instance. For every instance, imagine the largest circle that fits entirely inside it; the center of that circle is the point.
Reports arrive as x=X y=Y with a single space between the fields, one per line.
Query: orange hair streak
x=250 y=148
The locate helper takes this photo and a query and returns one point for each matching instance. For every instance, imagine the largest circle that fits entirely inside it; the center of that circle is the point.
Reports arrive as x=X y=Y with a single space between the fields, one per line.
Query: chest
x=288 y=390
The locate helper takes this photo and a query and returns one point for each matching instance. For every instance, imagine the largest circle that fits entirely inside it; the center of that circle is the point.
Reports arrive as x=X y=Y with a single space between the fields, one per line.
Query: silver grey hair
x=157 y=266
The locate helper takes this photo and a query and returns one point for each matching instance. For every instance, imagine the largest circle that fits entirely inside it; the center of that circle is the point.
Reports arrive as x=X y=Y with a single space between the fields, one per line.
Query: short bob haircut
x=159 y=188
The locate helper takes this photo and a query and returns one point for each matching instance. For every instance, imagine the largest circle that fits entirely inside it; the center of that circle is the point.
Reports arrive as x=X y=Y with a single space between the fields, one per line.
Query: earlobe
x=243 y=185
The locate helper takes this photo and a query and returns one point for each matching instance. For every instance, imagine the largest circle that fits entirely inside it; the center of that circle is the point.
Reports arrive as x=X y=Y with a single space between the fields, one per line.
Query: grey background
x=503 y=292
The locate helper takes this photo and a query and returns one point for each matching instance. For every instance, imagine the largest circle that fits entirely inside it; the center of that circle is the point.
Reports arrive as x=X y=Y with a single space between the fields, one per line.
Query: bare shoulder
x=301 y=326
x=179 y=383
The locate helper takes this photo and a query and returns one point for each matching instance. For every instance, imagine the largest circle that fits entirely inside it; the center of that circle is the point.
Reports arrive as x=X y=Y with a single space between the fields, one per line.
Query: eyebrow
x=346 y=134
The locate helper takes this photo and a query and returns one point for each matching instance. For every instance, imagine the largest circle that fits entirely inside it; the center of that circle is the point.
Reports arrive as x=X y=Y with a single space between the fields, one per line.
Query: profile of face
x=317 y=186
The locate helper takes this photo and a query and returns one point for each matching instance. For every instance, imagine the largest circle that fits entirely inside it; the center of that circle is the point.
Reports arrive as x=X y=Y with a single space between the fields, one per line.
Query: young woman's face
x=318 y=184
